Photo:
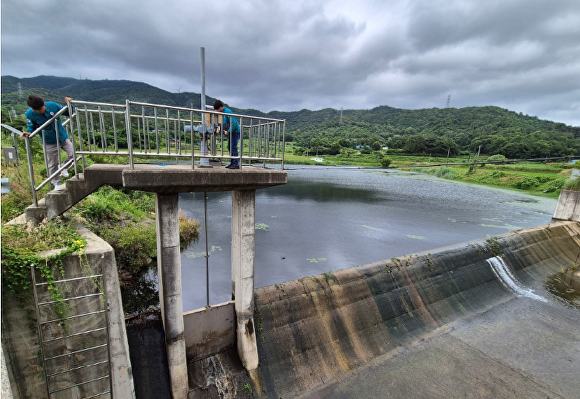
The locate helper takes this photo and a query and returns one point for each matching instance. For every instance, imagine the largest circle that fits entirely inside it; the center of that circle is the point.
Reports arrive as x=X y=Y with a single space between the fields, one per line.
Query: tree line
x=433 y=131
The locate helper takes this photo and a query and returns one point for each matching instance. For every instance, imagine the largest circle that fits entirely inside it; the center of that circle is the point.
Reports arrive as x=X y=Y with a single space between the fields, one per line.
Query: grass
x=535 y=178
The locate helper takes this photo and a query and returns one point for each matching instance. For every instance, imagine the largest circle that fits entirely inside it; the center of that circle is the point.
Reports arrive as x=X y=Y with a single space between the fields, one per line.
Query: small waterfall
x=505 y=275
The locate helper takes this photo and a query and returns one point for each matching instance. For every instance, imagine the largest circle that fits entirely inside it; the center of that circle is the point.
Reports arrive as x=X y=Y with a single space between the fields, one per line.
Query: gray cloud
x=519 y=54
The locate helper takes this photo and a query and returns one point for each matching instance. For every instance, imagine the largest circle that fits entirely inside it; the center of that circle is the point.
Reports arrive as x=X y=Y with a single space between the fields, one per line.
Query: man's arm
x=30 y=126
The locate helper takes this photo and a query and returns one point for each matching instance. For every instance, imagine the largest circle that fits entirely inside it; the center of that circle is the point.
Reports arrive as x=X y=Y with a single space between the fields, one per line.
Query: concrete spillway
x=451 y=323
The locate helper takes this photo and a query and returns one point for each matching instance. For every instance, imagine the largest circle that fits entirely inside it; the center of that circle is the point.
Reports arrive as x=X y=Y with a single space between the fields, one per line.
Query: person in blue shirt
x=36 y=116
x=232 y=130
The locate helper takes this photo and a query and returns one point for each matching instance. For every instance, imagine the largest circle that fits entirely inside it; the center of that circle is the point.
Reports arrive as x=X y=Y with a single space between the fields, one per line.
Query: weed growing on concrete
x=318 y=281
x=20 y=247
x=306 y=291
x=280 y=288
x=247 y=387
x=258 y=320
x=493 y=246
x=429 y=262
x=328 y=276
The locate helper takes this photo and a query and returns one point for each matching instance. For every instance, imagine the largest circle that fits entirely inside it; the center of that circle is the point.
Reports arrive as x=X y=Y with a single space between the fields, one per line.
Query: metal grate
x=74 y=347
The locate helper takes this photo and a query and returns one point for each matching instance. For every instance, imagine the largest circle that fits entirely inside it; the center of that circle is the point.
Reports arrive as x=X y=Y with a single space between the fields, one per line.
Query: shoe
x=64 y=173
x=233 y=166
x=229 y=165
x=58 y=187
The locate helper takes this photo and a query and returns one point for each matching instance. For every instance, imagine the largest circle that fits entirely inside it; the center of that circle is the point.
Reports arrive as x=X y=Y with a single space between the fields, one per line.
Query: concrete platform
x=157 y=178
x=182 y=178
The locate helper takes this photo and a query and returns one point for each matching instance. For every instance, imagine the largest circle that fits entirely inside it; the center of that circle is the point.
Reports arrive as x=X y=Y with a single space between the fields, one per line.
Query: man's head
x=218 y=105
x=36 y=103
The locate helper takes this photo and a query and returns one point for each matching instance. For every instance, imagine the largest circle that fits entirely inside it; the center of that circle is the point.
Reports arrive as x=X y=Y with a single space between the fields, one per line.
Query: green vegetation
x=21 y=245
x=435 y=131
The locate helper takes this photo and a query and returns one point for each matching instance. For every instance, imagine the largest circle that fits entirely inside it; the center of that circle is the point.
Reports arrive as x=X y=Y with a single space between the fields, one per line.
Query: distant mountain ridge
x=431 y=130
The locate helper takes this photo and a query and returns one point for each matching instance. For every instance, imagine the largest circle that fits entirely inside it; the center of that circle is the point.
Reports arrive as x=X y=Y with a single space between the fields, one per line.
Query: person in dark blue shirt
x=232 y=130
x=36 y=116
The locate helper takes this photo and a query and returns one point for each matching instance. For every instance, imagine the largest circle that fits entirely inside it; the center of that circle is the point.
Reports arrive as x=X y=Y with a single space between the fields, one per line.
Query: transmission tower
x=19 y=90
x=448 y=100
x=341 y=115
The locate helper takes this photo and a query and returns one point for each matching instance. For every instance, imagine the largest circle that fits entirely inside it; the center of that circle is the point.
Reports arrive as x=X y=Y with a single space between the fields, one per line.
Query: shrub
x=445 y=173
x=188 y=231
x=496 y=158
x=386 y=162
x=132 y=254
x=526 y=183
x=298 y=151
x=553 y=185
x=496 y=174
x=572 y=184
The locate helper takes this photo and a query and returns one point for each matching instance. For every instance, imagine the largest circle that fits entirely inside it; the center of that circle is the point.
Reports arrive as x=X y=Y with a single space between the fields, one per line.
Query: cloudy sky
x=523 y=55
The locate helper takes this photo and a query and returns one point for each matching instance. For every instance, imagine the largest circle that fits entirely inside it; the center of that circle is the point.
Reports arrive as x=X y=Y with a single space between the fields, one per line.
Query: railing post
x=31 y=171
x=283 y=143
x=128 y=131
x=72 y=136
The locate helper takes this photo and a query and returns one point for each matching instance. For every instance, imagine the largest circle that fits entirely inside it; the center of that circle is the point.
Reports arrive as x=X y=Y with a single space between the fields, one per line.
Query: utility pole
x=477 y=159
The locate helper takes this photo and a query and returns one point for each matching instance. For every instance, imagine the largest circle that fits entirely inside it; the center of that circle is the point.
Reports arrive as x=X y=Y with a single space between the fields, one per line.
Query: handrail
x=143 y=132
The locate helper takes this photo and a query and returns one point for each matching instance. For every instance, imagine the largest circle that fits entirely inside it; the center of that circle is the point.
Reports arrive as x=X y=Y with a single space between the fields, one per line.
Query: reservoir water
x=327 y=219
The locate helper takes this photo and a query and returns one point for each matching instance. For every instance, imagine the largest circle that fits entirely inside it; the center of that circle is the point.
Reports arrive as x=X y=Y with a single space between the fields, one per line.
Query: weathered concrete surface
x=209 y=331
x=429 y=325
x=181 y=178
x=243 y=254
x=568 y=206
x=20 y=339
x=6 y=390
x=169 y=272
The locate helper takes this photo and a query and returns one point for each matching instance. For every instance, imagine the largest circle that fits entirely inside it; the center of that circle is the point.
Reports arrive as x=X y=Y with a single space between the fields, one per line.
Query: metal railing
x=144 y=132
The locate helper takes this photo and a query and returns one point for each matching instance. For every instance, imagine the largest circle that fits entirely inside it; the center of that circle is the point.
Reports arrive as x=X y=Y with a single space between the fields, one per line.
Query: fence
x=145 y=132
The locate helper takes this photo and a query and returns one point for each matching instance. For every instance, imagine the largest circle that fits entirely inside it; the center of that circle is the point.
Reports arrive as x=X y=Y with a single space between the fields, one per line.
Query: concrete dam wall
x=313 y=333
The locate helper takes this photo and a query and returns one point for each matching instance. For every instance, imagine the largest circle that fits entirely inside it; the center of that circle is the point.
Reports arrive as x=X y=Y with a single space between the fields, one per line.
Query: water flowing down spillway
x=504 y=274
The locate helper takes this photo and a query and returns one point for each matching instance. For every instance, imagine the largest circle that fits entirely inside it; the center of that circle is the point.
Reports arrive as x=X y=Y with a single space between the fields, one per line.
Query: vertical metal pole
x=88 y=131
x=39 y=328
x=241 y=142
x=167 y=124
x=80 y=134
x=283 y=143
x=31 y=171
x=204 y=149
x=156 y=129
x=128 y=130
x=72 y=136
x=206 y=248
x=192 y=140
x=113 y=117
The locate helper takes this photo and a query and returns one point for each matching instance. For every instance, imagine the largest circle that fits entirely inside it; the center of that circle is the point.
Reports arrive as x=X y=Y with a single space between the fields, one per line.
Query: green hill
x=424 y=131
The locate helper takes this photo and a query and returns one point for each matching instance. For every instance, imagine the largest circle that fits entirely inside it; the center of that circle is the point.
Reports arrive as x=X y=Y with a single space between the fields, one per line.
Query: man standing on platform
x=232 y=130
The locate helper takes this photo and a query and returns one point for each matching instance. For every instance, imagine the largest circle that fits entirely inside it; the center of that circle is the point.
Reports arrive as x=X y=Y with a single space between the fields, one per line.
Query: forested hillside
x=328 y=131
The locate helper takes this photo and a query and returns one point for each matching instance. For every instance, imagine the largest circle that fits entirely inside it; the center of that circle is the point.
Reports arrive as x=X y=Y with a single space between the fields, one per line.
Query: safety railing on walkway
x=145 y=133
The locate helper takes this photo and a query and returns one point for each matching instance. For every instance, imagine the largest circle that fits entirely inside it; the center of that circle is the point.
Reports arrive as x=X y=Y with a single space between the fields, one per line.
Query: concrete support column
x=169 y=271
x=243 y=250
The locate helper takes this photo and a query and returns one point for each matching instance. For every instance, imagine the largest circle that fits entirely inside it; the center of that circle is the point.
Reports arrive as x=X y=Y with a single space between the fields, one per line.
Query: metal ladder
x=75 y=348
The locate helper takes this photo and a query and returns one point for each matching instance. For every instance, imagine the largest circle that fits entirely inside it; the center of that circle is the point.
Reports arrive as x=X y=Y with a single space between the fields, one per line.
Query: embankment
x=314 y=332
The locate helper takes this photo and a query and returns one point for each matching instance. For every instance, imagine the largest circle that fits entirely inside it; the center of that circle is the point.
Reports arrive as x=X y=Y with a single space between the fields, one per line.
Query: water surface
x=327 y=219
